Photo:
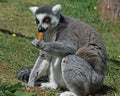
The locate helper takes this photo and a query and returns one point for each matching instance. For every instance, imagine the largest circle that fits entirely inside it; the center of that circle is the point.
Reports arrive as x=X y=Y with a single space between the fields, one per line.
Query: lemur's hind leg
x=40 y=68
x=77 y=75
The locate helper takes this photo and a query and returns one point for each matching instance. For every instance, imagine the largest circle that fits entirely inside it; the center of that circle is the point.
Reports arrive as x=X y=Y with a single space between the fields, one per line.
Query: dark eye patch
x=47 y=19
x=37 y=21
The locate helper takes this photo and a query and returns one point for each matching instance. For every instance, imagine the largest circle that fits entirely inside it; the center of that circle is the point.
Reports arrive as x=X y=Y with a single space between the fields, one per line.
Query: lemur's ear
x=56 y=9
x=33 y=9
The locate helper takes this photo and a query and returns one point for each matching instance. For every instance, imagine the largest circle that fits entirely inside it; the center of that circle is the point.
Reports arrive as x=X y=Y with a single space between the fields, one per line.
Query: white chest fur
x=56 y=71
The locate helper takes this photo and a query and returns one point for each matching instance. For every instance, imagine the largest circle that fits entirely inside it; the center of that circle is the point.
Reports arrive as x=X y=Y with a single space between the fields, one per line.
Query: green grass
x=7 y=89
x=17 y=52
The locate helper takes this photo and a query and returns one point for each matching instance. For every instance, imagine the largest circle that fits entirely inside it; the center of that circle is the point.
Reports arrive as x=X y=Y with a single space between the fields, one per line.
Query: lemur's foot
x=30 y=84
x=49 y=85
x=67 y=93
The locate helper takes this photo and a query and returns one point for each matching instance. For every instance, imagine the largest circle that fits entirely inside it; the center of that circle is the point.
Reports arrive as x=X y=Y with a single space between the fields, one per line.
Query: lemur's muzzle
x=42 y=30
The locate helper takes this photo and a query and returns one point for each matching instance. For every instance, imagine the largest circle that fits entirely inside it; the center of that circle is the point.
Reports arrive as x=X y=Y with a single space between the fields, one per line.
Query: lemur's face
x=46 y=17
x=46 y=21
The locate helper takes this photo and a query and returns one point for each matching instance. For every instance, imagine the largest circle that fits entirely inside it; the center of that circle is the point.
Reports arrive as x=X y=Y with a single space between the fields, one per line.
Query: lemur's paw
x=67 y=93
x=30 y=84
x=49 y=86
x=35 y=42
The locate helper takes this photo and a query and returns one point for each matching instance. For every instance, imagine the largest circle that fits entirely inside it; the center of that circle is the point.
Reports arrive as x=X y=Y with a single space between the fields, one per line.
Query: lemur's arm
x=56 y=48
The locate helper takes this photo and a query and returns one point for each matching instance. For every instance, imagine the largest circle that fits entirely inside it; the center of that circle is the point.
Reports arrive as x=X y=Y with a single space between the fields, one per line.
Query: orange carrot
x=40 y=36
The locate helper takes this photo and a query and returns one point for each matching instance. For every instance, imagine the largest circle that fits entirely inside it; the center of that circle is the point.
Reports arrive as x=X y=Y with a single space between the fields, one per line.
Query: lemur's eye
x=37 y=21
x=47 y=19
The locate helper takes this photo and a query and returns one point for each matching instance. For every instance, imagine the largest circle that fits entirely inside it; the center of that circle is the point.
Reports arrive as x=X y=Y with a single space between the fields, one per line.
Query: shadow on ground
x=105 y=90
x=3 y=1
x=5 y=31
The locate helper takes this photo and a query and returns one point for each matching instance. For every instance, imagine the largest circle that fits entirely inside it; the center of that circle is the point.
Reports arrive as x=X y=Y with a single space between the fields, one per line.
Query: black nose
x=42 y=30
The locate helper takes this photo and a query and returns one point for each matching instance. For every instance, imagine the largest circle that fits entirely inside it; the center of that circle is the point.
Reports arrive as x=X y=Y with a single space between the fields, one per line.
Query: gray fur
x=81 y=53
x=44 y=9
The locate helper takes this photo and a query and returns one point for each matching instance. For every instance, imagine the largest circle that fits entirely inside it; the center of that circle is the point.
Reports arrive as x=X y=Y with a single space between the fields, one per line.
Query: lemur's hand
x=35 y=42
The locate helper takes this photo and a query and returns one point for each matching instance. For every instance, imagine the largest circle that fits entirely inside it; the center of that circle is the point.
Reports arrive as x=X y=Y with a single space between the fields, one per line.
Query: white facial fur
x=40 y=17
x=53 y=24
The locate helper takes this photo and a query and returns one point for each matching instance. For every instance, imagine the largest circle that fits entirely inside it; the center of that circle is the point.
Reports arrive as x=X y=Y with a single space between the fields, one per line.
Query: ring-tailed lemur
x=72 y=52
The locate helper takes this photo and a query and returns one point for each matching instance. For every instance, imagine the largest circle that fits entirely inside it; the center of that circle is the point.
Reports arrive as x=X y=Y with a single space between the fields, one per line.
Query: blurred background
x=18 y=29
